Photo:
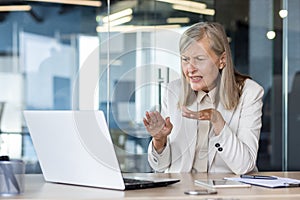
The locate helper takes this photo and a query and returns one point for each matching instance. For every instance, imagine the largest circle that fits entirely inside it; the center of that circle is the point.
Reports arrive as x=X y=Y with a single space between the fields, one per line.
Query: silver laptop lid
x=75 y=147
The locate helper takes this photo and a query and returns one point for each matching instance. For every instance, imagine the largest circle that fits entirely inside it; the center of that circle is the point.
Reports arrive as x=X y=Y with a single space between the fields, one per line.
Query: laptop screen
x=72 y=144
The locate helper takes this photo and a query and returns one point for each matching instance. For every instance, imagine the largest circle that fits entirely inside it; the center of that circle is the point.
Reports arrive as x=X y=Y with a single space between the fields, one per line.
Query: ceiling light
x=117 y=15
x=194 y=10
x=15 y=8
x=178 y=20
x=73 y=2
x=119 y=21
x=271 y=35
x=132 y=28
x=283 y=13
x=193 y=4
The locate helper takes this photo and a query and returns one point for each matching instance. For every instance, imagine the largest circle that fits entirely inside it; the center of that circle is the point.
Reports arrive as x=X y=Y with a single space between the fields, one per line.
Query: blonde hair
x=231 y=82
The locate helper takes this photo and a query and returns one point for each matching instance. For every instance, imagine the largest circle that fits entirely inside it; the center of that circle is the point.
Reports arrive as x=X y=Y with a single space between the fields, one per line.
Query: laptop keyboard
x=136 y=181
x=133 y=183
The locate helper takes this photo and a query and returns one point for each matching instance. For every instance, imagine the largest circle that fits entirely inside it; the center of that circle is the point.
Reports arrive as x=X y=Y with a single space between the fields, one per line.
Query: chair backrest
x=295 y=92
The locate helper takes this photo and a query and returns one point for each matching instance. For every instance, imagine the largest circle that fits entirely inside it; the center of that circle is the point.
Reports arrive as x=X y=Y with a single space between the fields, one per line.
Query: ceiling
x=145 y=12
x=156 y=12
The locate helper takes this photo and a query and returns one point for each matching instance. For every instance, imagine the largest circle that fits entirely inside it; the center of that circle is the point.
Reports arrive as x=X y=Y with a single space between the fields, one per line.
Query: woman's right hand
x=159 y=128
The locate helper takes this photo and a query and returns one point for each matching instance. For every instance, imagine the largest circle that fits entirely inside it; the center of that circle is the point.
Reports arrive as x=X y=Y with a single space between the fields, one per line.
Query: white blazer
x=234 y=150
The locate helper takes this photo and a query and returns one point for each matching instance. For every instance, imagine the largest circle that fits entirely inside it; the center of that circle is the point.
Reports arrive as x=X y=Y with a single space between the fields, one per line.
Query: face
x=200 y=66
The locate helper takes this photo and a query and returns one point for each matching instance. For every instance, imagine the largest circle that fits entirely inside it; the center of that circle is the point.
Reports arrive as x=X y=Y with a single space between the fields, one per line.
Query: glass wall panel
x=140 y=57
x=292 y=78
x=39 y=64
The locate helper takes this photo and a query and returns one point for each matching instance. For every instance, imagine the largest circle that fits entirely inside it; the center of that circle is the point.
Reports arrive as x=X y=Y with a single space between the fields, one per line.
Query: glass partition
x=291 y=85
x=142 y=56
x=40 y=48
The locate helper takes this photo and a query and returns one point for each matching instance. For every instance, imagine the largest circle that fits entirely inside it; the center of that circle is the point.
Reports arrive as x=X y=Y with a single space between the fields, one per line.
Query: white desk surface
x=37 y=188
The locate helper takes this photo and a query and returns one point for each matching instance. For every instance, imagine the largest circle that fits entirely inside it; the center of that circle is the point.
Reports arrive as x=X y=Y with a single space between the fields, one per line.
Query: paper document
x=275 y=183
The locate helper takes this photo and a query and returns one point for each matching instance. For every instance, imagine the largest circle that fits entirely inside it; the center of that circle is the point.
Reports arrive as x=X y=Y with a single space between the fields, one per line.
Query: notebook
x=75 y=147
x=277 y=182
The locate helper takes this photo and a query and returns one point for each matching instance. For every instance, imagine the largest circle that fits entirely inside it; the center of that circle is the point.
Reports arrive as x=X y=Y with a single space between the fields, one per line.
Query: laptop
x=75 y=147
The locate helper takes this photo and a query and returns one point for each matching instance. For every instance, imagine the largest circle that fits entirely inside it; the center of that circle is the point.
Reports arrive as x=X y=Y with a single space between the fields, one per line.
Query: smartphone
x=220 y=183
x=200 y=192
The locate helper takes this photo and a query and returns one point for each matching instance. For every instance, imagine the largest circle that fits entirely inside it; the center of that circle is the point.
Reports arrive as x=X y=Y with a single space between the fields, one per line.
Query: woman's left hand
x=210 y=114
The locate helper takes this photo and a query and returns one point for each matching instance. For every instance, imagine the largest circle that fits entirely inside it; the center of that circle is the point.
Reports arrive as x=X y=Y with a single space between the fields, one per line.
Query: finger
x=145 y=122
x=188 y=115
x=188 y=111
x=191 y=114
x=148 y=126
x=212 y=115
x=169 y=125
x=205 y=115
x=148 y=116
x=208 y=110
x=185 y=110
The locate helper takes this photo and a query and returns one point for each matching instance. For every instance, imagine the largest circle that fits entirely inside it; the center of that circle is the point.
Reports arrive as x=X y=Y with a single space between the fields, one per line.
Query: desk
x=36 y=188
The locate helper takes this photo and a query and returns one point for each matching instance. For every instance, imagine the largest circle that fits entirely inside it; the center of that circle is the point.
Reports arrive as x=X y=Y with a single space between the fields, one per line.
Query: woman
x=211 y=118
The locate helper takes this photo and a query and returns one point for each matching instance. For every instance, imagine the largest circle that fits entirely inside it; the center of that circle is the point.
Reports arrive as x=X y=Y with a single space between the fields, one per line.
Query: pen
x=258 y=177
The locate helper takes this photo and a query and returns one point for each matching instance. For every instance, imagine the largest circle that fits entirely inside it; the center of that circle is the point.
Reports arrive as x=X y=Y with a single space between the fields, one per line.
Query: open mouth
x=196 y=78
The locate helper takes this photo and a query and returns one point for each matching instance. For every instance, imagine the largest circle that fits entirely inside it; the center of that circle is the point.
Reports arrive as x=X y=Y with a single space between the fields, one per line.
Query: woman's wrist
x=218 y=127
x=159 y=144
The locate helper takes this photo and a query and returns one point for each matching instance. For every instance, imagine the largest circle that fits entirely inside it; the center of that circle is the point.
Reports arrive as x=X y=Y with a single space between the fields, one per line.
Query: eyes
x=196 y=59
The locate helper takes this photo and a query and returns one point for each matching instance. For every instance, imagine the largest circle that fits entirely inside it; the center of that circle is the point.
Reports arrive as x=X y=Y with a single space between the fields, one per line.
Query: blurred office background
x=67 y=54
